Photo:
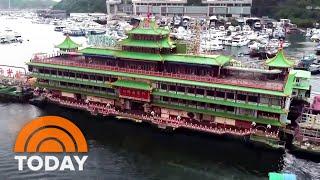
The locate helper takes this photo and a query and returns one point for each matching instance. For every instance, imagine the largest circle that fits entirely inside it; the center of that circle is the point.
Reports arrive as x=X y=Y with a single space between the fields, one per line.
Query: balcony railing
x=79 y=62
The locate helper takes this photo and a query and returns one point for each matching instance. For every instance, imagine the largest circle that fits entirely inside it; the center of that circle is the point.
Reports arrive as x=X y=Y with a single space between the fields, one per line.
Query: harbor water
x=120 y=149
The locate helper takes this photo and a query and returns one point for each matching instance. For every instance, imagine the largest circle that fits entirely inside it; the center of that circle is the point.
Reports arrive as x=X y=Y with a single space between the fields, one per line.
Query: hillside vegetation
x=296 y=10
x=27 y=4
x=82 y=5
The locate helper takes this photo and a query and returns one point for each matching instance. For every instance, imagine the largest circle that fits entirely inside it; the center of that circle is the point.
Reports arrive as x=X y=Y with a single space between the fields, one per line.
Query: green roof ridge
x=133 y=84
x=280 y=61
x=290 y=83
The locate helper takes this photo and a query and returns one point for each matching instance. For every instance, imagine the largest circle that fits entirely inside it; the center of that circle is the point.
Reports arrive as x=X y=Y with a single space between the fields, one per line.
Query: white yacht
x=211 y=45
x=309 y=32
x=315 y=37
x=222 y=28
x=227 y=41
x=239 y=41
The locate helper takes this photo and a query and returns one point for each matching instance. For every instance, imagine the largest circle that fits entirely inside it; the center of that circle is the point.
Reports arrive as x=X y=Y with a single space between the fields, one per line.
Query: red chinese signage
x=134 y=94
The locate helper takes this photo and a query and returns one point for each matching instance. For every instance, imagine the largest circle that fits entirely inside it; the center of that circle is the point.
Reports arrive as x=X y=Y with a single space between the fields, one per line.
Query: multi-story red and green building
x=151 y=78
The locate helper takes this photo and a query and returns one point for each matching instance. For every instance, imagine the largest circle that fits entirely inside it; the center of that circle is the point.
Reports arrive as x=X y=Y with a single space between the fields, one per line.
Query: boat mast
x=9 y=4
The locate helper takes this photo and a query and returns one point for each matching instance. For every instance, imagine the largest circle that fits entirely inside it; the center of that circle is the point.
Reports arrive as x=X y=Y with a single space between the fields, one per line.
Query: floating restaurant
x=151 y=78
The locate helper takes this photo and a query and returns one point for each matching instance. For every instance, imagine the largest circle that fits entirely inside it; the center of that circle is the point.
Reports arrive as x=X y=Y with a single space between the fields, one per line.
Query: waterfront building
x=151 y=78
x=112 y=6
x=226 y=8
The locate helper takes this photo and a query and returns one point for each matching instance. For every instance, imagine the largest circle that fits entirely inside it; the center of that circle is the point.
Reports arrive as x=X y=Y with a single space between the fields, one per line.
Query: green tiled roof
x=155 y=78
x=139 y=56
x=198 y=59
x=304 y=84
x=132 y=84
x=259 y=107
x=221 y=114
x=302 y=74
x=164 y=43
x=152 y=29
x=68 y=44
x=122 y=54
x=280 y=61
x=98 y=51
x=216 y=60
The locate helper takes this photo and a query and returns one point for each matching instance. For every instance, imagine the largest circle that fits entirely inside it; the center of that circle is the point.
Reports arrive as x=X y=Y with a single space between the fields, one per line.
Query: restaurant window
x=71 y=74
x=253 y=99
x=165 y=99
x=164 y=86
x=220 y=94
x=99 y=78
x=54 y=72
x=230 y=109
x=220 y=107
x=181 y=89
x=182 y=102
x=193 y=103
x=92 y=77
x=210 y=93
x=172 y=88
x=191 y=90
x=200 y=91
x=78 y=75
x=230 y=95
x=201 y=104
x=275 y=101
x=241 y=97
x=212 y=106
x=84 y=76
x=174 y=100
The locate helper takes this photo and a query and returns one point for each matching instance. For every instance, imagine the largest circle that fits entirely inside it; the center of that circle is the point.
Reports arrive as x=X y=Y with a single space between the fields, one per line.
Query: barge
x=151 y=78
x=15 y=94
x=307 y=133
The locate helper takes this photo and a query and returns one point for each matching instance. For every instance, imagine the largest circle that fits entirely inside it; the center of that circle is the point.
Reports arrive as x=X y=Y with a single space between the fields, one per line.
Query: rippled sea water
x=120 y=149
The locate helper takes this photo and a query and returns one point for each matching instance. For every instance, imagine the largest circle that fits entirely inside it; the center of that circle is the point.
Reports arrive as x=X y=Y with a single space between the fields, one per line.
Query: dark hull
x=261 y=54
x=48 y=105
x=304 y=153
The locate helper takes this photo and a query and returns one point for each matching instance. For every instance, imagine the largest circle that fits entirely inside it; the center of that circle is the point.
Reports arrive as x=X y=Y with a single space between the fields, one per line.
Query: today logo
x=50 y=134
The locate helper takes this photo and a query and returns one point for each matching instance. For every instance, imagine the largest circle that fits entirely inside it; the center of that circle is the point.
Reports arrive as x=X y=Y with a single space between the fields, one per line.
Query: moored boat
x=15 y=93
